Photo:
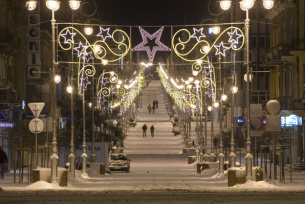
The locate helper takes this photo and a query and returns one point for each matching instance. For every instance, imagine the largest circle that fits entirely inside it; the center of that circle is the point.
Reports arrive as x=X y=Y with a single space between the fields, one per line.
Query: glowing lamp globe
x=69 y=89
x=234 y=89
x=31 y=5
x=225 y=5
x=53 y=4
x=268 y=4
x=216 y=30
x=210 y=108
x=195 y=73
x=216 y=104
x=74 y=4
x=57 y=78
x=224 y=97
x=104 y=62
x=205 y=49
x=246 y=4
x=96 y=48
x=88 y=30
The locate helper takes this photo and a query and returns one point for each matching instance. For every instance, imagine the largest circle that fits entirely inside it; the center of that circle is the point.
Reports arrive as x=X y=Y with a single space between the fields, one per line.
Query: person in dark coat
x=154 y=103
x=152 y=130
x=157 y=104
x=144 y=128
x=153 y=108
x=3 y=162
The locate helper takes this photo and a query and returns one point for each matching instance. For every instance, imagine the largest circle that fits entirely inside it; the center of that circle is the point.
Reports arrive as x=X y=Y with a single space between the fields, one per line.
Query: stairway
x=164 y=141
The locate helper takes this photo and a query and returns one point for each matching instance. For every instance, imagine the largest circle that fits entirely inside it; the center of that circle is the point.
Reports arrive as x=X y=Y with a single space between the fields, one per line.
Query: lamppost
x=53 y=5
x=245 y=5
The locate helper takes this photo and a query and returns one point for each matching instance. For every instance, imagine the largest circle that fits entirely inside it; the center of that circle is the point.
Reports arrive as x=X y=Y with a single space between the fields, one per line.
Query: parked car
x=119 y=162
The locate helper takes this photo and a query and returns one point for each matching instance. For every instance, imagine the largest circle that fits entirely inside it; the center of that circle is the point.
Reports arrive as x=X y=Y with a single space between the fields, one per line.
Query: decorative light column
x=245 y=5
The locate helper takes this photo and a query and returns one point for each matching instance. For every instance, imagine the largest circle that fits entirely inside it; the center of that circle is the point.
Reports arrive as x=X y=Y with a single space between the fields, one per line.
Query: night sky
x=152 y=12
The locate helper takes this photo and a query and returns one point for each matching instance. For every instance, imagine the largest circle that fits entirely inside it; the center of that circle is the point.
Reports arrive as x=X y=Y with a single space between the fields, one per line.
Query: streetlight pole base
x=221 y=163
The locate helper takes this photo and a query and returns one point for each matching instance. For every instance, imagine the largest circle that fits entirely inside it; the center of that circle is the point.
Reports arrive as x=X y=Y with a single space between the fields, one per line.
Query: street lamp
x=245 y=5
x=53 y=5
x=31 y=5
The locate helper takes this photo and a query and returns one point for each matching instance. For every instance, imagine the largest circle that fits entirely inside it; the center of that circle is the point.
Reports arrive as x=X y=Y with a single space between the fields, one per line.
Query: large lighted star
x=234 y=34
x=81 y=49
x=144 y=47
x=198 y=34
x=68 y=36
x=104 y=33
x=221 y=49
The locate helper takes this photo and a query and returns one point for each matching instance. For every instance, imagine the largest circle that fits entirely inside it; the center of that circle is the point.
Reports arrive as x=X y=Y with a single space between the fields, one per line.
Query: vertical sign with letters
x=33 y=47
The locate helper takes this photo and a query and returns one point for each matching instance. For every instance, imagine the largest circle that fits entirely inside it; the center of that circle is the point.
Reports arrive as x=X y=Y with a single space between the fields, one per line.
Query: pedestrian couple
x=155 y=106
x=152 y=130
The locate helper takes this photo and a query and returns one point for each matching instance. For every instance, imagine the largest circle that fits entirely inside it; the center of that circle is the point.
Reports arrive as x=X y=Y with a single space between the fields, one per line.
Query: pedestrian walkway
x=164 y=141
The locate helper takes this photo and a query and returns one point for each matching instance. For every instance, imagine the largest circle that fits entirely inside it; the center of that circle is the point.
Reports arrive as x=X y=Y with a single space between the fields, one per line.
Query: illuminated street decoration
x=68 y=36
x=196 y=32
x=221 y=49
x=112 y=51
x=143 y=46
x=102 y=33
x=234 y=36
x=191 y=52
x=81 y=50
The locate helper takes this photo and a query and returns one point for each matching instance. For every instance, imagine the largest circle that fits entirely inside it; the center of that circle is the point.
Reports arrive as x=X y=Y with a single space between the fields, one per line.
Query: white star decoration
x=151 y=52
x=88 y=56
x=68 y=36
x=196 y=32
x=221 y=49
x=234 y=34
x=102 y=33
x=84 y=82
x=81 y=50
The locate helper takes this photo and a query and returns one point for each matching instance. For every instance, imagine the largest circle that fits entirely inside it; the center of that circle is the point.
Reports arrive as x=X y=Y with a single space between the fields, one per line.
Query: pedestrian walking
x=3 y=162
x=152 y=130
x=154 y=103
x=149 y=108
x=157 y=104
x=144 y=128
x=153 y=108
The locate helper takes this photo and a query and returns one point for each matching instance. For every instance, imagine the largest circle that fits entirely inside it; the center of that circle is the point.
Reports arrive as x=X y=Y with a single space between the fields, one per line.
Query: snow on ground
x=157 y=165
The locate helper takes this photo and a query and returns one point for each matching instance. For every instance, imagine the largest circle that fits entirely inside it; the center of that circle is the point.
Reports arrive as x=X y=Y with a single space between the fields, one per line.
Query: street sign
x=36 y=125
x=36 y=108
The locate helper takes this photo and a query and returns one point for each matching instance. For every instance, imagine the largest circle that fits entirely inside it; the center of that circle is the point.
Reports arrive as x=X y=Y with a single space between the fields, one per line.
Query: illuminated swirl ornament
x=121 y=91
x=106 y=46
x=193 y=50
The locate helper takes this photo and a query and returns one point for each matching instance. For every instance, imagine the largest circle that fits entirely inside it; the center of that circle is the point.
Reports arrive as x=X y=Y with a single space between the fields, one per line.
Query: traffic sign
x=36 y=125
x=36 y=108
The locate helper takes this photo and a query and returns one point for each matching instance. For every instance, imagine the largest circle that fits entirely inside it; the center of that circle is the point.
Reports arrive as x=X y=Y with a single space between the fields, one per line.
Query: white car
x=119 y=162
